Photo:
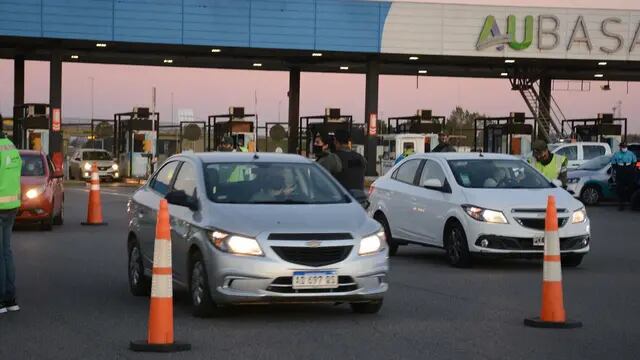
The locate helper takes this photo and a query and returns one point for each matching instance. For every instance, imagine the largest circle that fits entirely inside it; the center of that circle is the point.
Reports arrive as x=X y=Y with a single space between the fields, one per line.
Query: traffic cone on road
x=160 y=333
x=94 y=210
x=552 y=314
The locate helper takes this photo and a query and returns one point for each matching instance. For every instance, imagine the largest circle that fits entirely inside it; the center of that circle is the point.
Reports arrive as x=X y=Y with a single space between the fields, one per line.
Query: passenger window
x=592 y=151
x=407 y=171
x=570 y=152
x=162 y=182
x=432 y=171
x=186 y=180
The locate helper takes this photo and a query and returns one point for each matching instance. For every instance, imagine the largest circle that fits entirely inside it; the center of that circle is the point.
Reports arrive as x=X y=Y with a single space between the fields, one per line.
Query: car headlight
x=573 y=180
x=115 y=167
x=34 y=192
x=235 y=244
x=579 y=216
x=485 y=215
x=372 y=244
x=87 y=166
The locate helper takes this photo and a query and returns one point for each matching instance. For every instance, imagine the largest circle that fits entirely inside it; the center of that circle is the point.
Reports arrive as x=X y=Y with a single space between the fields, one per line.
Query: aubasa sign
x=548 y=35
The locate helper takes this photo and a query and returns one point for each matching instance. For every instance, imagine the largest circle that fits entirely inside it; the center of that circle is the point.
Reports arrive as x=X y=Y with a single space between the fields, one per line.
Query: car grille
x=528 y=211
x=538 y=224
x=526 y=244
x=319 y=256
x=311 y=236
x=283 y=285
x=104 y=168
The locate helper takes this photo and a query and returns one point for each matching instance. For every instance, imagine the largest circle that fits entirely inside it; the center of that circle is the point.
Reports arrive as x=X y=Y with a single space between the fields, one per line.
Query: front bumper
x=110 y=175
x=34 y=210
x=267 y=279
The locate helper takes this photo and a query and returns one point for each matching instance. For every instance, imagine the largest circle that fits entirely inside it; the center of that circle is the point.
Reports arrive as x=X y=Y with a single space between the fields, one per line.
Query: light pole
x=92 y=102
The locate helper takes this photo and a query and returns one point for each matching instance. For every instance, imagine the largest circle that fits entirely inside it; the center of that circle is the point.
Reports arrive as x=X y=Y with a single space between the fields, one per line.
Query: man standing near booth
x=10 y=169
x=624 y=165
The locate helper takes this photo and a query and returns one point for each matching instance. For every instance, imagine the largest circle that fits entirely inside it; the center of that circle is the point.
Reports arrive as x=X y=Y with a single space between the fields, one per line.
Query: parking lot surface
x=72 y=286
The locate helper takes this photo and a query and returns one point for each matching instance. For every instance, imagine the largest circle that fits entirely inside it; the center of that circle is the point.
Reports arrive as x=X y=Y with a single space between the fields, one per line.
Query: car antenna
x=255 y=156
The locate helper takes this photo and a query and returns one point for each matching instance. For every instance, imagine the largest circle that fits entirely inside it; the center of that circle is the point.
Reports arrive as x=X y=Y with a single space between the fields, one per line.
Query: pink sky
x=120 y=88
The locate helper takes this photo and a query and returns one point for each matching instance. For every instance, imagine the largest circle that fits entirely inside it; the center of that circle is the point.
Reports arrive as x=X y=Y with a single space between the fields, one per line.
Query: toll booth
x=506 y=135
x=328 y=123
x=168 y=142
x=136 y=140
x=424 y=122
x=604 y=128
x=31 y=127
x=391 y=146
x=239 y=126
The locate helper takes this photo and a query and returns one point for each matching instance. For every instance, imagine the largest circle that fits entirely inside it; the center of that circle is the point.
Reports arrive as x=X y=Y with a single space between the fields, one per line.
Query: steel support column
x=544 y=108
x=55 y=101
x=294 y=110
x=18 y=96
x=371 y=107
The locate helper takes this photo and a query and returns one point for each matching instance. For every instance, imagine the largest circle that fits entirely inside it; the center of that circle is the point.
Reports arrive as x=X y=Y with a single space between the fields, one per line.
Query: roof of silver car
x=210 y=157
x=469 y=156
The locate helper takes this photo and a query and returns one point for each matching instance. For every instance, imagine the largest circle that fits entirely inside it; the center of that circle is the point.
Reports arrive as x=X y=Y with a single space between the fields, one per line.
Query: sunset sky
x=208 y=91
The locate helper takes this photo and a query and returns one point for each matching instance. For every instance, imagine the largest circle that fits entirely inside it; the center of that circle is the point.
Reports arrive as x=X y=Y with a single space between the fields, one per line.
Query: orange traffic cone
x=160 y=334
x=552 y=314
x=94 y=211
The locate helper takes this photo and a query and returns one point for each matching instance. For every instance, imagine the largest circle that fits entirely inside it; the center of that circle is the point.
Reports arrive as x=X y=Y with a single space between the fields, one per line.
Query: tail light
x=371 y=189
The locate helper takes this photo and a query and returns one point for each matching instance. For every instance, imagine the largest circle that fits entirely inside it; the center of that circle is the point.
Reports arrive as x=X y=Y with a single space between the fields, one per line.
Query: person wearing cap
x=552 y=166
x=324 y=157
x=443 y=144
x=10 y=169
x=624 y=166
x=226 y=144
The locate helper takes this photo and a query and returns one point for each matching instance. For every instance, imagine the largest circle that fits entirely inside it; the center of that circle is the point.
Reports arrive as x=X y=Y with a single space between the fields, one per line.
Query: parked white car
x=580 y=152
x=475 y=204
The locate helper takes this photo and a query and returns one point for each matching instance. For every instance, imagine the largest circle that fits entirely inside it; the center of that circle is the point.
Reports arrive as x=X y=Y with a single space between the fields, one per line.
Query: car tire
x=393 y=245
x=59 y=219
x=372 y=307
x=572 y=260
x=47 y=224
x=456 y=246
x=201 y=301
x=590 y=195
x=635 y=200
x=139 y=283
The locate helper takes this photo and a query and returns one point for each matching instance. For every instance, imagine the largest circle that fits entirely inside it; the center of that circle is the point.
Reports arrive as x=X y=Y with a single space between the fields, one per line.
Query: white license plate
x=315 y=280
x=538 y=240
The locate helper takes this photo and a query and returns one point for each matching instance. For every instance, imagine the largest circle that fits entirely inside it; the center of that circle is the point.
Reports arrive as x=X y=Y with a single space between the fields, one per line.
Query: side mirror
x=180 y=198
x=433 y=184
x=609 y=171
x=361 y=197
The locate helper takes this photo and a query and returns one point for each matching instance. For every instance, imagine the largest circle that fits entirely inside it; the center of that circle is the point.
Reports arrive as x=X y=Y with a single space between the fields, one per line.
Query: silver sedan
x=258 y=228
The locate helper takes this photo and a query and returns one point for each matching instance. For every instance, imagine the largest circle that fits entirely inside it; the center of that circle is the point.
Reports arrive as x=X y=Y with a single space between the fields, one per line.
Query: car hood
x=582 y=173
x=100 y=162
x=253 y=220
x=32 y=180
x=508 y=199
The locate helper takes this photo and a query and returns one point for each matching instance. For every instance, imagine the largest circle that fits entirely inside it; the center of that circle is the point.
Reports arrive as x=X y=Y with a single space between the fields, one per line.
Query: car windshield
x=96 y=155
x=32 y=165
x=271 y=183
x=500 y=174
x=596 y=163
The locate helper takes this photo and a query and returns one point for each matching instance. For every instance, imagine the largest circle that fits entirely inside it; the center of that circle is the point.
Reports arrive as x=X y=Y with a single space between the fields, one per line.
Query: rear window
x=32 y=165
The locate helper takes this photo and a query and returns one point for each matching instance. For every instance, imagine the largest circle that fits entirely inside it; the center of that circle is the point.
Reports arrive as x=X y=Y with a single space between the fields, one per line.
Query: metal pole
x=92 y=101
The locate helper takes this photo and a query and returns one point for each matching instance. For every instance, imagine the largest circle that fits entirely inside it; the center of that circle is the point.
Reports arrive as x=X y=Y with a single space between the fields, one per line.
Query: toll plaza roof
x=328 y=36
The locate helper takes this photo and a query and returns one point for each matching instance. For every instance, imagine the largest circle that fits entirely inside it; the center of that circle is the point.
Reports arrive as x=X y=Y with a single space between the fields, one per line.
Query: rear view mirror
x=180 y=198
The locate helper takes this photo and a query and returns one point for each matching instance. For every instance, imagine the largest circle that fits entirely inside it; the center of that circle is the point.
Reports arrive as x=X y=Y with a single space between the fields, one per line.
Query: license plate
x=538 y=240
x=315 y=280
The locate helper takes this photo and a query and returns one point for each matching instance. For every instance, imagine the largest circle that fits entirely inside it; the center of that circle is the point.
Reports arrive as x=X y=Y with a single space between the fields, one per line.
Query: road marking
x=102 y=192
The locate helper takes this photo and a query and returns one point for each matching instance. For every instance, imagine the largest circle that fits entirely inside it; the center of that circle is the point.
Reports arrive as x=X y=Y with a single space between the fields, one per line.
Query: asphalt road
x=72 y=286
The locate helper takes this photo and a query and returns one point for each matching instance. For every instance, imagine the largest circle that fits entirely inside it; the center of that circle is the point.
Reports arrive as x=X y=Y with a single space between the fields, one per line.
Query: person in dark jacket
x=324 y=157
x=354 y=165
x=624 y=164
x=443 y=144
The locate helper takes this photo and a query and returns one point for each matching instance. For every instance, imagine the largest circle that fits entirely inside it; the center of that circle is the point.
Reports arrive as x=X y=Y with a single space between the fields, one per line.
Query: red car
x=42 y=191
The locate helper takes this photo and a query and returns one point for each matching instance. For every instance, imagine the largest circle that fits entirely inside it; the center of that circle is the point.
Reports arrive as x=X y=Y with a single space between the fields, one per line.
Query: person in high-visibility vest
x=10 y=169
x=552 y=166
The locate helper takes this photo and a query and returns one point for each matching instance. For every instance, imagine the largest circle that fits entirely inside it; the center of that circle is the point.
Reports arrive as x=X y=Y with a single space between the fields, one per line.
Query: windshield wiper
x=287 y=202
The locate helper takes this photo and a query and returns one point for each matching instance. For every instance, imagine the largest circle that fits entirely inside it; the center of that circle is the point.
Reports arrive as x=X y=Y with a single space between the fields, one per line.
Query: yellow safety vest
x=10 y=169
x=553 y=169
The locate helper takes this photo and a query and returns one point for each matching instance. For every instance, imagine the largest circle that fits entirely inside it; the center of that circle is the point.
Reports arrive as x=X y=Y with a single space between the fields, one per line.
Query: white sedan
x=475 y=204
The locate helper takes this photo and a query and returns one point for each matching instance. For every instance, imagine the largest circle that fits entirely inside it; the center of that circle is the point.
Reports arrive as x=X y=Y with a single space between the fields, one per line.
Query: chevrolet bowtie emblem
x=314 y=243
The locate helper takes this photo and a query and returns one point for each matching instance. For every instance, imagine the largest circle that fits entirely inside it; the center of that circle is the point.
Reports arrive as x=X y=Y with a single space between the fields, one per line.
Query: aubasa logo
x=549 y=34
x=491 y=35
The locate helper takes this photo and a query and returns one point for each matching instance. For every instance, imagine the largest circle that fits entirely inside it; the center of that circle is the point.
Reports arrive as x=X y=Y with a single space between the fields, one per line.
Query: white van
x=580 y=152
